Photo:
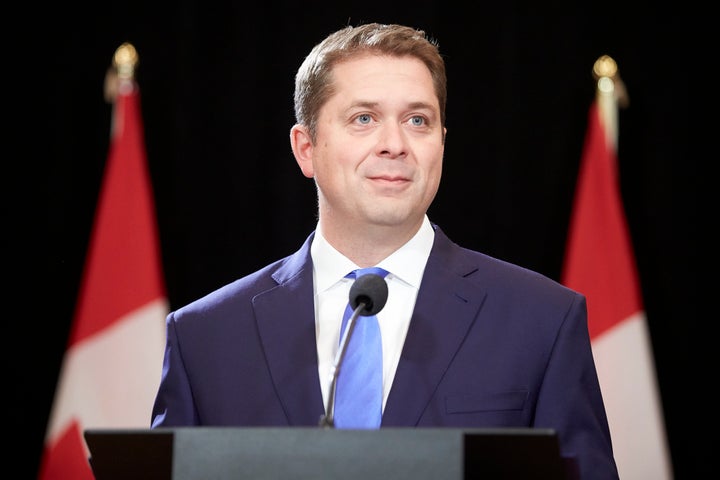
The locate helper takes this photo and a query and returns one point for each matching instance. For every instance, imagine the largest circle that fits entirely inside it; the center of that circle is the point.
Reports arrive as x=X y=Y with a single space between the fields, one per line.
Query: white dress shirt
x=406 y=266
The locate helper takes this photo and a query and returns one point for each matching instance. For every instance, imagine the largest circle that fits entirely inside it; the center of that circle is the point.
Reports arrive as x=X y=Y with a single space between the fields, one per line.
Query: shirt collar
x=406 y=263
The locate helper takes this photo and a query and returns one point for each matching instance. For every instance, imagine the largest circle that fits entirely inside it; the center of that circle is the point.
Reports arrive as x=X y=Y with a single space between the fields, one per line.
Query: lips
x=389 y=178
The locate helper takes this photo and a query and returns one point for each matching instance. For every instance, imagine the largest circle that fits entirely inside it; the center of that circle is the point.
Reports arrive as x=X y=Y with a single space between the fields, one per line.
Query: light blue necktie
x=358 y=401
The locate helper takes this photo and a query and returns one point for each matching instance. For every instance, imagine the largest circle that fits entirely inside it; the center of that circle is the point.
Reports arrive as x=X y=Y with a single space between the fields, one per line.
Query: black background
x=216 y=81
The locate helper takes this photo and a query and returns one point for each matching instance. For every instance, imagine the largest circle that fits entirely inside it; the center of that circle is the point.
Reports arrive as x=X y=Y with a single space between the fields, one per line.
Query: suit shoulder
x=518 y=274
x=238 y=291
x=494 y=273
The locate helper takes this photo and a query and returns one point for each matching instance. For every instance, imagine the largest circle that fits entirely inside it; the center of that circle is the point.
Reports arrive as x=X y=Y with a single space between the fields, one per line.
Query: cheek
x=433 y=172
x=334 y=158
x=434 y=178
x=327 y=166
x=434 y=161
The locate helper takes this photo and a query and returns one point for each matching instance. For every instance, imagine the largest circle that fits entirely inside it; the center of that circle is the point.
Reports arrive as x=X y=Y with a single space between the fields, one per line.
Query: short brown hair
x=313 y=81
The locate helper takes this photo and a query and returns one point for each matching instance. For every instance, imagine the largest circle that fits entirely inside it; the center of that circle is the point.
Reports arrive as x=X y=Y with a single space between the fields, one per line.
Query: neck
x=367 y=245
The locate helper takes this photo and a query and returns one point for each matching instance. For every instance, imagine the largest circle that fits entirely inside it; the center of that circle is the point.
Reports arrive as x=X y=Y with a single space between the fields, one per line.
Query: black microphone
x=368 y=295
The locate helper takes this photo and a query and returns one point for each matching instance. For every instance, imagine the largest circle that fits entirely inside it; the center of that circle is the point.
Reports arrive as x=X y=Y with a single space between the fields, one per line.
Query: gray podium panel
x=215 y=453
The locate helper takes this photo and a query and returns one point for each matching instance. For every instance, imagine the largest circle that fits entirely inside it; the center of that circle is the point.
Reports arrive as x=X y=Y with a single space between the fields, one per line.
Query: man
x=467 y=340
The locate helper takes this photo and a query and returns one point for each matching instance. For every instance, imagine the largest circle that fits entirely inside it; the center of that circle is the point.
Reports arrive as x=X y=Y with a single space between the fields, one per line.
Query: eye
x=364 y=118
x=417 y=121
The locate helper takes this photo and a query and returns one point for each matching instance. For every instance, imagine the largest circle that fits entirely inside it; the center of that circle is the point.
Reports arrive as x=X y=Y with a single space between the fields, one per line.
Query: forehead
x=372 y=74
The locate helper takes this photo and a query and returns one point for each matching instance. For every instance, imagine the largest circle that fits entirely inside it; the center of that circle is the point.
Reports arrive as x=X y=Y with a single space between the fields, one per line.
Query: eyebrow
x=370 y=104
x=364 y=104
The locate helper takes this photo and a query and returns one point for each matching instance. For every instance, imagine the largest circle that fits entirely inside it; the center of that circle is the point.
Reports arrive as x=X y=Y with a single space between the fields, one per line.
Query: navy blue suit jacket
x=490 y=344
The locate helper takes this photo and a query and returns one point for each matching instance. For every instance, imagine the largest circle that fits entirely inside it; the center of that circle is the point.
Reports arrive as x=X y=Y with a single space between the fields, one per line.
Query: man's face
x=377 y=159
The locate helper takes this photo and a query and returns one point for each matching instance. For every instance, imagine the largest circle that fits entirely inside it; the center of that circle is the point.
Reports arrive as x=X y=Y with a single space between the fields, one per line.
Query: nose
x=392 y=141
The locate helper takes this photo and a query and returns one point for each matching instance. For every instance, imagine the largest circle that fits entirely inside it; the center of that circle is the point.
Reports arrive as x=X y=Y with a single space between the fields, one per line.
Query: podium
x=258 y=453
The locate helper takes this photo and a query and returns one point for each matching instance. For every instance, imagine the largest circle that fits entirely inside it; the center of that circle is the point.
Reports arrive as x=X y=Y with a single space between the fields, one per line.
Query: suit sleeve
x=174 y=404
x=570 y=399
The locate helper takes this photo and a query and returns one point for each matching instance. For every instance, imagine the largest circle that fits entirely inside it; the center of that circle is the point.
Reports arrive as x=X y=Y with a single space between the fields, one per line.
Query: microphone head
x=370 y=290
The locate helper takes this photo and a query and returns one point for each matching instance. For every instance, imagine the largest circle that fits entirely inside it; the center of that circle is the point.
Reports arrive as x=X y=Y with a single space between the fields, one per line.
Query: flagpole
x=121 y=74
x=611 y=94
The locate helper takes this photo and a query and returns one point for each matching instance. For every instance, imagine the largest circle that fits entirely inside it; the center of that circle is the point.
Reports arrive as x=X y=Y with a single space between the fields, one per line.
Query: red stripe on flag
x=599 y=259
x=67 y=460
x=123 y=270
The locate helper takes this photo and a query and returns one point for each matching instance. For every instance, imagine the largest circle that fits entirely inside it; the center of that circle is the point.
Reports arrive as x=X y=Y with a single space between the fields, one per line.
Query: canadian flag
x=112 y=365
x=600 y=263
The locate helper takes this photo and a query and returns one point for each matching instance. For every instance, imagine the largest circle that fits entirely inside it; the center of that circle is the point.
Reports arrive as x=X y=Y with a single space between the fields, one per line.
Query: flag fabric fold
x=112 y=364
x=600 y=263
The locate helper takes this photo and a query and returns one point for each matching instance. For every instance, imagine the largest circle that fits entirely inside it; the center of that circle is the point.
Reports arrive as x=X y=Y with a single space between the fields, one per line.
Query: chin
x=390 y=217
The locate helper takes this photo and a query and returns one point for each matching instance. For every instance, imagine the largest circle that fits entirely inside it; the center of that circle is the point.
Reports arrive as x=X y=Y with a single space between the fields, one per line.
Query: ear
x=302 y=148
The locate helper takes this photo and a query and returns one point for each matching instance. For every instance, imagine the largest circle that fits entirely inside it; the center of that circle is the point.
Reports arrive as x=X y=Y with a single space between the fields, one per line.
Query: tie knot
x=364 y=271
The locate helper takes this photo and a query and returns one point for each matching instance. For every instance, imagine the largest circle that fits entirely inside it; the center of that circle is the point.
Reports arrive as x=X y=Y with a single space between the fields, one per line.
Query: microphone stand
x=328 y=420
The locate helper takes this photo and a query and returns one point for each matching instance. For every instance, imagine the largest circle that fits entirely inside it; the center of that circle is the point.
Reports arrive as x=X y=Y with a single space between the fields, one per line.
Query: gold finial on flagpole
x=122 y=71
x=125 y=60
x=604 y=66
x=610 y=95
x=605 y=71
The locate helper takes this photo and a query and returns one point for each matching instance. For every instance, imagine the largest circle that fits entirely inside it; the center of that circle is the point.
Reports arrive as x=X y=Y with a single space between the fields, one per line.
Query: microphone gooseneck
x=368 y=296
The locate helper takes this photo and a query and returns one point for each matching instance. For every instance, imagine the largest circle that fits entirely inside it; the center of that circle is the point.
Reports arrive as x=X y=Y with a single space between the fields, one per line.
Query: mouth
x=389 y=179
x=389 y=185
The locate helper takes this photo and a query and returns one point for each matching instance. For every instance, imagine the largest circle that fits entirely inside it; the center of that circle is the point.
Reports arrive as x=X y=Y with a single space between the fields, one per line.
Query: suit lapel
x=286 y=323
x=446 y=308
